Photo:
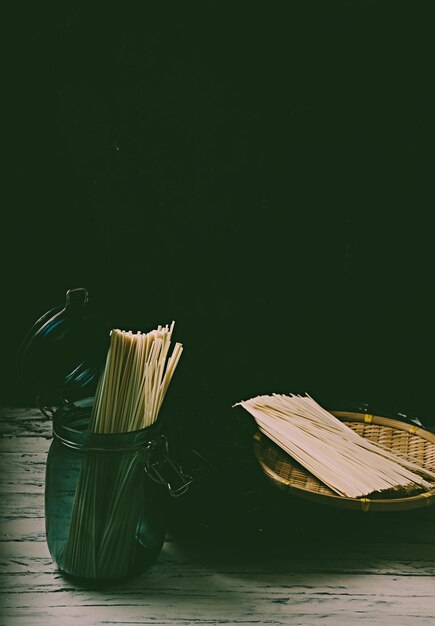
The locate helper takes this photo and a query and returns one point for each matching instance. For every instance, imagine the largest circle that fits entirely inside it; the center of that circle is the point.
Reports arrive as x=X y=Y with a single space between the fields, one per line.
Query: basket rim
x=368 y=419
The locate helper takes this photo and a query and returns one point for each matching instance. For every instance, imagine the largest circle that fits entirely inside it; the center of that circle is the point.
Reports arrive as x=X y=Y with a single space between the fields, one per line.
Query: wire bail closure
x=163 y=470
x=78 y=296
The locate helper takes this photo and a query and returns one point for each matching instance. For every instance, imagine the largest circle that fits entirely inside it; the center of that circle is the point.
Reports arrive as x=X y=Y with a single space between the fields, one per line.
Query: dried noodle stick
x=135 y=380
x=107 y=507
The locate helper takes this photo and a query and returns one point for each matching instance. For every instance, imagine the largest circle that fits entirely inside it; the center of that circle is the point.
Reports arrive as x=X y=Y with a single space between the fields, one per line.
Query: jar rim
x=70 y=427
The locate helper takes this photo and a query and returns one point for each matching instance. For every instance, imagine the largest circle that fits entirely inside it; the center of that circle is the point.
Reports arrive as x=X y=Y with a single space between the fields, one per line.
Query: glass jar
x=105 y=517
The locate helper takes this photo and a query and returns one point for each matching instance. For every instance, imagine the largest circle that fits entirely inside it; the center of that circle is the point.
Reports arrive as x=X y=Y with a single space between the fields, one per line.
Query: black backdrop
x=258 y=172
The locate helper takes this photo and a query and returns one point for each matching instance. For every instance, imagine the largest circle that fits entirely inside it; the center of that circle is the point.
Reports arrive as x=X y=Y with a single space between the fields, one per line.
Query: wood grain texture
x=365 y=581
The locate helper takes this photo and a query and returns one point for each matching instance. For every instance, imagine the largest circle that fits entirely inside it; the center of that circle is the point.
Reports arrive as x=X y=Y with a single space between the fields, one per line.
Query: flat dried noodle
x=349 y=464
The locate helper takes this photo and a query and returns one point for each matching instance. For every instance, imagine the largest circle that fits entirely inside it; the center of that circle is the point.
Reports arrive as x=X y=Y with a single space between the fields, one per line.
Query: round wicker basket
x=290 y=476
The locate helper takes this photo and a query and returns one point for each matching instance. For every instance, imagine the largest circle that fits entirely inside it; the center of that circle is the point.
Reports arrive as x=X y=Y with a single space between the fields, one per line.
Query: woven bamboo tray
x=290 y=476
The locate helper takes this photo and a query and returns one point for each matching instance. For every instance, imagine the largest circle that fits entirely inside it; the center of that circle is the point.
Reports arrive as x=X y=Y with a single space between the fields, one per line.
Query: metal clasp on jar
x=162 y=469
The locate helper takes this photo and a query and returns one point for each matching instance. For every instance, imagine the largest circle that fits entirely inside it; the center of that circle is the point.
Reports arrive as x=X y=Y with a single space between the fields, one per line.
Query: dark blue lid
x=64 y=351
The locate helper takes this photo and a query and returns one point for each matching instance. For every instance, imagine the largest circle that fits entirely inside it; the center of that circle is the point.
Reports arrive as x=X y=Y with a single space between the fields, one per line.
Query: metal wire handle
x=159 y=463
x=78 y=290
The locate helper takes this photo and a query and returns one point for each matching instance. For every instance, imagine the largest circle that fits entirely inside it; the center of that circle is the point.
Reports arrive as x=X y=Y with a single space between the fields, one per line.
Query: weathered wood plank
x=20 y=422
x=17 y=528
x=23 y=445
x=108 y=615
x=375 y=559
x=218 y=598
x=23 y=488
x=30 y=529
x=13 y=413
x=20 y=412
x=23 y=505
x=22 y=464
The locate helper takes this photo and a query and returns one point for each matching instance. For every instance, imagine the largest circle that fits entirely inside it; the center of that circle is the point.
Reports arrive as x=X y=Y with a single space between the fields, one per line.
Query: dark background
x=260 y=173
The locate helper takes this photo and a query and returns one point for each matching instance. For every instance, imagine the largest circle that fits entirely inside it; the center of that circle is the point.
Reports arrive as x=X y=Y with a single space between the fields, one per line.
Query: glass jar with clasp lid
x=105 y=494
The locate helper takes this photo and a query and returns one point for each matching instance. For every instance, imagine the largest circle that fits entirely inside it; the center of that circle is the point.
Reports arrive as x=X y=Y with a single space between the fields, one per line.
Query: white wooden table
x=385 y=578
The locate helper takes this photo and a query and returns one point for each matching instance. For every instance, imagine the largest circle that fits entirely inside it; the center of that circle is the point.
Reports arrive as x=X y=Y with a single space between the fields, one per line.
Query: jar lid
x=63 y=352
